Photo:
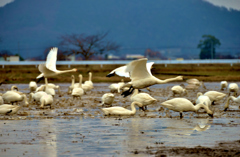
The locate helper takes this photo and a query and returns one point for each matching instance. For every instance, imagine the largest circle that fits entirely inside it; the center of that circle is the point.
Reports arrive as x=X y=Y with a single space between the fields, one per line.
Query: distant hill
x=29 y=27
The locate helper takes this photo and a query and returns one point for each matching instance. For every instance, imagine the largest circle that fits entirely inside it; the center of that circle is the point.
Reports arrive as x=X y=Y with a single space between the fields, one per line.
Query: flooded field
x=79 y=128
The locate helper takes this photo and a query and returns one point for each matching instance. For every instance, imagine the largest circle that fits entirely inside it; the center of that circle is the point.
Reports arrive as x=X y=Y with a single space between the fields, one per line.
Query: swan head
x=14 y=88
x=179 y=78
x=199 y=94
x=72 y=77
x=210 y=114
x=74 y=69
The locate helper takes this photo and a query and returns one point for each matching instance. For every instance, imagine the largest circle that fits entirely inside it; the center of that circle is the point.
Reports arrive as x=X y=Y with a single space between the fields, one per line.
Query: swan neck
x=133 y=107
x=166 y=80
x=228 y=100
x=198 y=106
x=90 y=76
x=80 y=81
x=73 y=80
x=46 y=82
x=25 y=99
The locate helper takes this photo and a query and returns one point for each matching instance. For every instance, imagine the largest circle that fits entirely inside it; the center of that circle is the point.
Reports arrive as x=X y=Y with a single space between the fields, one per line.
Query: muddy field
x=78 y=128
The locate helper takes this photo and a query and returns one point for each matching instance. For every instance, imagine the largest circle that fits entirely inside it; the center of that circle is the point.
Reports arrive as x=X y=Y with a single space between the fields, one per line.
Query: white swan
x=107 y=99
x=213 y=95
x=32 y=86
x=85 y=87
x=1 y=100
x=13 y=96
x=70 y=88
x=121 y=71
x=36 y=96
x=143 y=99
x=194 y=84
x=203 y=99
x=235 y=99
x=40 y=88
x=116 y=87
x=177 y=89
x=49 y=68
x=48 y=89
x=184 y=105
x=46 y=100
x=223 y=85
x=120 y=111
x=77 y=92
x=9 y=109
x=141 y=78
x=233 y=87
x=89 y=82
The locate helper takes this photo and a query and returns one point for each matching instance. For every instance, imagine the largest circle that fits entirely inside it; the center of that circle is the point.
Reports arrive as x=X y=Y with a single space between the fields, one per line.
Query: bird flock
x=139 y=72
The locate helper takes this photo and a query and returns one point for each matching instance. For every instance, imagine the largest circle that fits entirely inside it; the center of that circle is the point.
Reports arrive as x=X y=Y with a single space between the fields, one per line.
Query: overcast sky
x=229 y=4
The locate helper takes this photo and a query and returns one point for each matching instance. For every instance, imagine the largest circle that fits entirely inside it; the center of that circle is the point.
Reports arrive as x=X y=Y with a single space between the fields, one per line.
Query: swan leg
x=181 y=116
x=128 y=92
x=9 y=112
x=40 y=79
x=145 y=107
x=226 y=109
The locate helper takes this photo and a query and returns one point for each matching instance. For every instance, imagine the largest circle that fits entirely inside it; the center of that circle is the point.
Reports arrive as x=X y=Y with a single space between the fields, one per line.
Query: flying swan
x=141 y=77
x=49 y=68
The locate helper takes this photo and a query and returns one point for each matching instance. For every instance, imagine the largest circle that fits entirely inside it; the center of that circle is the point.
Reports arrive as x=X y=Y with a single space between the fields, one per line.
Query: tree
x=87 y=45
x=208 y=45
x=5 y=54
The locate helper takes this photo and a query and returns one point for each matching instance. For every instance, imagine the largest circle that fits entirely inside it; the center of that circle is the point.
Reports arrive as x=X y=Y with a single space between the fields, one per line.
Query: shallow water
x=63 y=131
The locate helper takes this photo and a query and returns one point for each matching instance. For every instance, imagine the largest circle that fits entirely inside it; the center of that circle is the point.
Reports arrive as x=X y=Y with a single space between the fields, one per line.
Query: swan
x=13 y=96
x=9 y=109
x=223 y=84
x=184 y=105
x=36 y=96
x=143 y=99
x=85 y=87
x=233 y=87
x=116 y=87
x=70 y=88
x=121 y=71
x=213 y=95
x=177 y=89
x=89 y=82
x=1 y=100
x=77 y=92
x=49 y=68
x=48 y=89
x=107 y=99
x=46 y=99
x=40 y=88
x=194 y=84
x=141 y=78
x=235 y=99
x=203 y=99
x=32 y=86
x=120 y=111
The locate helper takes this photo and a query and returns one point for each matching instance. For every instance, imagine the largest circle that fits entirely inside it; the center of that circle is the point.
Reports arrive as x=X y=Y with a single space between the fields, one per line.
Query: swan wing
x=44 y=70
x=52 y=59
x=120 y=71
x=149 y=66
x=138 y=69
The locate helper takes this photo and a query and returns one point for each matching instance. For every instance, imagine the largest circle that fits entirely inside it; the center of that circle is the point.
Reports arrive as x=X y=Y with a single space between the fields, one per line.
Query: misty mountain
x=28 y=27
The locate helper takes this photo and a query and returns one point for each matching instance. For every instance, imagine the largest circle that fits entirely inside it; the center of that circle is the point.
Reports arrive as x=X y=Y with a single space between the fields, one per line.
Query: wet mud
x=79 y=128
